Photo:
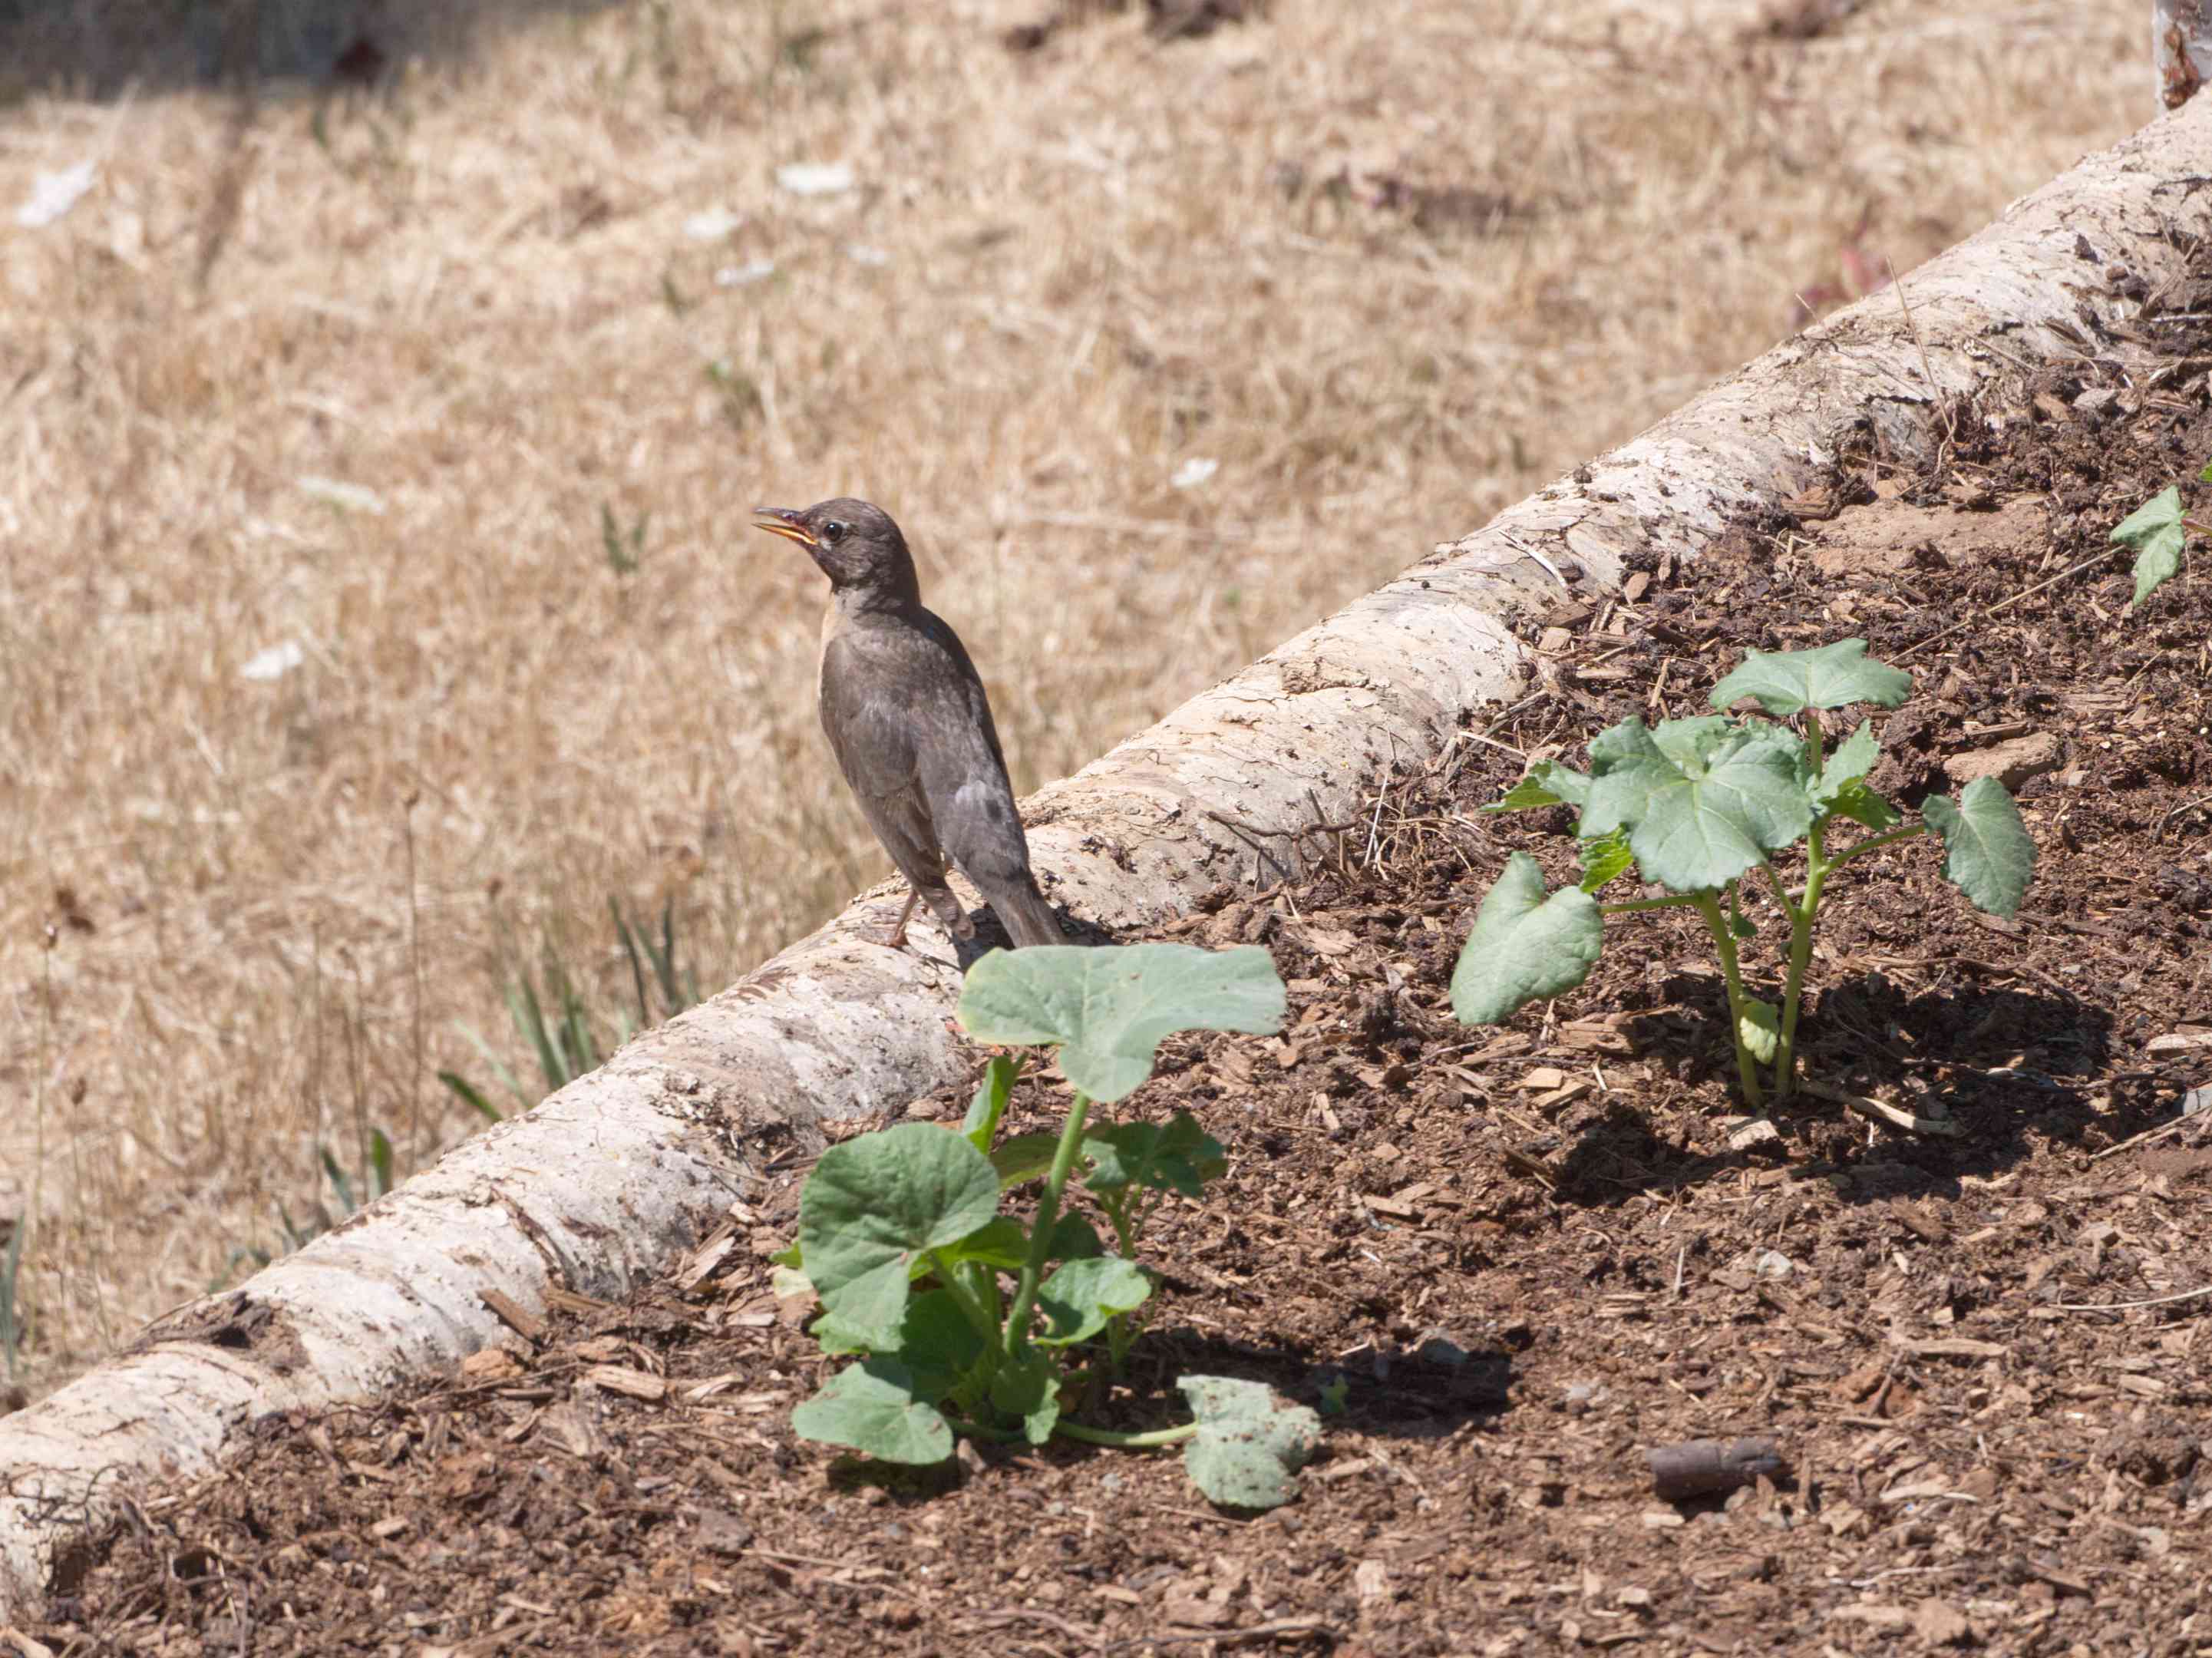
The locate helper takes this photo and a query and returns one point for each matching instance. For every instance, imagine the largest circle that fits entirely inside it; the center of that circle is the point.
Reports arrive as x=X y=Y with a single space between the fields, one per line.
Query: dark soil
x=1527 y=1255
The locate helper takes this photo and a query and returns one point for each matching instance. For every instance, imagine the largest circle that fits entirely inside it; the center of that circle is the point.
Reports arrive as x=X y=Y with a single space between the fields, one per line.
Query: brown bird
x=906 y=716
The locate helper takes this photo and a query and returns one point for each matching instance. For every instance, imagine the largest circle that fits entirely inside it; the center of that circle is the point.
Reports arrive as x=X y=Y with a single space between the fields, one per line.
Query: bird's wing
x=962 y=769
x=872 y=729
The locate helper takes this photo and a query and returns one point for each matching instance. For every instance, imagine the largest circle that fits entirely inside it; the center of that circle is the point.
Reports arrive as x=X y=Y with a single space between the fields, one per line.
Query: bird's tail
x=1023 y=911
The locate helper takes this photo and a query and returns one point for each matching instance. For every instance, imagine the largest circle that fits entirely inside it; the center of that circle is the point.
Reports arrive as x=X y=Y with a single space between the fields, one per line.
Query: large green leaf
x=874 y=1203
x=1176 y=1156
x=1110 y=1008
x=1699 y=817
x=1077 y=1299
x=1548 y=783
x=1250 y=1442
x=2154 y=530
x=1988 y=854
x=871 y=1407
x=1524 y=945
x=1784 y=683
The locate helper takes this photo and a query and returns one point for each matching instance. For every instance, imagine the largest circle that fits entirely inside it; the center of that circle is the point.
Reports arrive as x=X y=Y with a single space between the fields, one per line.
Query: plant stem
x=1800 y=957
x=1887 y=838
x=1637 y=905
x=967 y=1430
x=1746 y=1070
x=956 y=1285
x=1048 y=1215
x=1127 y=1441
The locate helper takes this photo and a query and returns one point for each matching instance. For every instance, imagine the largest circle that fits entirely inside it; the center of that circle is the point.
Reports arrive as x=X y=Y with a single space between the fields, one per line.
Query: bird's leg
x=897 y=940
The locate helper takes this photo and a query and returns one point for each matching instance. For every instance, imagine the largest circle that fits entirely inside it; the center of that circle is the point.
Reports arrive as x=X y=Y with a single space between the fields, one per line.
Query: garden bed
x=1527 y=1255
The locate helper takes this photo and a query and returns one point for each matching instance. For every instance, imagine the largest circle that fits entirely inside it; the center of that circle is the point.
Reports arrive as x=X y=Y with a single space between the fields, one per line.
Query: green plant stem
x=957 y=1286
x=1800 y=957
x=1637 y=905
x=1888 y=837
x=1047 y=1215
x=967 y=1430
x=1127 y=1441
x=1746 y=1069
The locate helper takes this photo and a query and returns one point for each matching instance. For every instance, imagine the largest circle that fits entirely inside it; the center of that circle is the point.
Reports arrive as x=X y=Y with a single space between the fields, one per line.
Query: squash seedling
x=2158 y=531
x=1699 y=805
x=900 y=1236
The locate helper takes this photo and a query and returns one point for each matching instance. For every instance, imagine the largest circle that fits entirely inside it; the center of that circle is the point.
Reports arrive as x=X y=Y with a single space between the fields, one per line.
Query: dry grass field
x=451 y=395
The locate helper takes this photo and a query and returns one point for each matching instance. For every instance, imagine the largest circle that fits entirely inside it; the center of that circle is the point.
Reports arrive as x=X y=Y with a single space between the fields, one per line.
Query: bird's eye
x=833 y=532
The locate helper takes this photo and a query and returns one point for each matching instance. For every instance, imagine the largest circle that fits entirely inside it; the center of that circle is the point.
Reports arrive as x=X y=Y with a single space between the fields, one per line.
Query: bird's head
x=856 y=543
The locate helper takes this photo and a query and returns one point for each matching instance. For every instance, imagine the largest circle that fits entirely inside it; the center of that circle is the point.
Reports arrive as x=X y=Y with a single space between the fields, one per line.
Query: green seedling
x=354 y=1191
x=1699 y=805
x=624 y=548
x=2158 y=531
x=557 y=1024
x=962 y=1320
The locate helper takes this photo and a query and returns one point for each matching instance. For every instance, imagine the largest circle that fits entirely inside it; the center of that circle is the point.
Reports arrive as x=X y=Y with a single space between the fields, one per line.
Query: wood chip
x=1956 y=1347
x=530 y=1326
x=621 y=1379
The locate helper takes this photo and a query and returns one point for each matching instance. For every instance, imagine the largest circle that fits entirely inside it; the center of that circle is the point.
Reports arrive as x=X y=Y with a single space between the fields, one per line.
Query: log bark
x=2181 y=47
x=606 y=1182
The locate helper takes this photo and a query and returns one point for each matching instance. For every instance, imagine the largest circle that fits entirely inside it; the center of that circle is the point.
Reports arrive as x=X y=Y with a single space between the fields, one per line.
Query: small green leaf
x=1700 y=816
x=1110 y=1008
x=1760 y=1029
x=1078 y=1298
x=989 y=1105
x=1074 y=1238
x=1988 y=852
x=1250 y=1442
x=1605 y=859
x=470 y=1095
x=871 y=1407
x=1030 y=1390
x=1001 y=1242
x=1848 y=762
x=1546 y=783
x=1690 y=743
x=1023 y=1158
x=1176 y=1156
x=2154 y=530
x=1784 y=683
x=1524 y=945
x=872 y=1204
x=1863 y=806
x=938 y=1344
x=2205 y=475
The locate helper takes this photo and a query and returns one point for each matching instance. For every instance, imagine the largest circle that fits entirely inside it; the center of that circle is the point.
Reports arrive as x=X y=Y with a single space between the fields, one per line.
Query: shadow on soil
x=141 y=46
x=2014 y=1064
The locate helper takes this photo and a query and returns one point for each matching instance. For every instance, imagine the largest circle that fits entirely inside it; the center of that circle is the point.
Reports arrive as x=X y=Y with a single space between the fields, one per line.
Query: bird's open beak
x=782 y=521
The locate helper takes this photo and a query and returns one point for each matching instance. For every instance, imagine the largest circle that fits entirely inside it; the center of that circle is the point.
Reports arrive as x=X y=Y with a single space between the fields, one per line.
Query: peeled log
x=606 y=1183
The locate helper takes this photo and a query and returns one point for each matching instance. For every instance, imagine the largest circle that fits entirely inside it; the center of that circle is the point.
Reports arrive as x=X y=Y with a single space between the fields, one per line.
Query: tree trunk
x=2181 y=46
x=602 y=1184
